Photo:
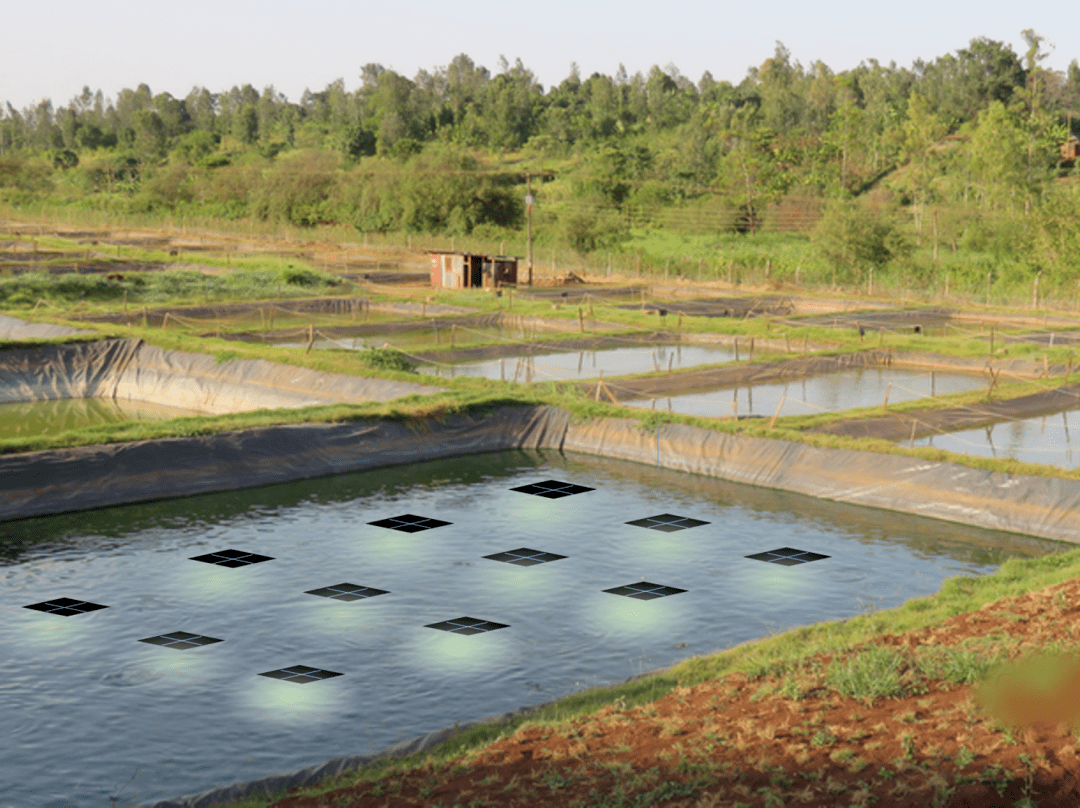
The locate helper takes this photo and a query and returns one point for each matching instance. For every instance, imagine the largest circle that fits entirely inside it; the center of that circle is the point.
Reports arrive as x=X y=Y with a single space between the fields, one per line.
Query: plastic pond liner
x=173 y=647
x=809 y=395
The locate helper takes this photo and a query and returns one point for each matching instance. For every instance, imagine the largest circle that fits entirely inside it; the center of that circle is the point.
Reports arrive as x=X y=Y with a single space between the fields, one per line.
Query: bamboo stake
x=772 y=421
x=888 y=389
x=911 y=442
x=311 y=337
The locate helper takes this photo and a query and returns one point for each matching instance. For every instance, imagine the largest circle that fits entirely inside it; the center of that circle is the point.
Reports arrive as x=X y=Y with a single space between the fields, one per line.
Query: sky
x=53 y=48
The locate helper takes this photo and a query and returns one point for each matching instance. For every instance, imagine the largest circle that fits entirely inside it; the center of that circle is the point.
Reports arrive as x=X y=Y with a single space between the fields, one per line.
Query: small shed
x=459 y=270
x=1070 y=149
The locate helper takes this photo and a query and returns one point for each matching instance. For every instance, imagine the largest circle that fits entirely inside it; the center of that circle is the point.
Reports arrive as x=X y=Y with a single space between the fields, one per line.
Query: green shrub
x=387 y=359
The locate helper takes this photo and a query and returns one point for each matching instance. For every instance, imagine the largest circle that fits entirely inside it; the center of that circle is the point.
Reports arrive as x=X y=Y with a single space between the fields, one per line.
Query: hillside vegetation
x=947 y=174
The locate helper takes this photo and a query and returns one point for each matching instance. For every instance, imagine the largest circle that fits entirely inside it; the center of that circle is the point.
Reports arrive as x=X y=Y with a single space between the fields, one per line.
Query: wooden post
x=1046 y=367
x=991 y=340
x=911 y=442
x=933 y=384
x=736 y=349
x=581 y=319
x=679 y=327
x=164 y=321
x=751 y=349
x=772 y=421
x=888 y=389
x=671 y=360
x=311 y=337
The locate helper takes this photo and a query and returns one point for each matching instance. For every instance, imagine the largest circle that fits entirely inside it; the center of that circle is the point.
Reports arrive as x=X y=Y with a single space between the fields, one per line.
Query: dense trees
x=978 y=129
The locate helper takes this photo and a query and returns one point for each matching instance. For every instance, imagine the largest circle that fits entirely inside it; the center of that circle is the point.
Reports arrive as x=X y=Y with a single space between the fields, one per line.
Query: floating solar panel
x=232 y=558
x=645 y=591
x=787 y=556
x=667 y=522
x=347 y=592
x=552 y=489
x=524 y=557
x=66 y=607
x=467 y=626
x=408 y=523
x=301 y=674
x=181 y=640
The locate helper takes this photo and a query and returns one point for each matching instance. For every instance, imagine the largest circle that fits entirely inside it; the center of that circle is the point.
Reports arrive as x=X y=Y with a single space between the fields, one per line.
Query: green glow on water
x=27 y=418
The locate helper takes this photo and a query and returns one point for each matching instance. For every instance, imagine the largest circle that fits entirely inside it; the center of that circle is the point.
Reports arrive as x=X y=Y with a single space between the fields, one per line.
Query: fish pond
x=810 y=395
x=1053 y=440
x=170 y=647
x=22 y=419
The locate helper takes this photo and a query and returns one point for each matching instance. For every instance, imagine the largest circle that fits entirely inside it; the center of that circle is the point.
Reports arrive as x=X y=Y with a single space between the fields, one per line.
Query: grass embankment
x=477 y=395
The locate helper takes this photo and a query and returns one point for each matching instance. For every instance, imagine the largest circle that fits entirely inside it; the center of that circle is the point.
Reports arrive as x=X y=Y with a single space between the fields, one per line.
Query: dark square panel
x=66 y=607
x=181 y=640
x=409 y=523
x=552 y=489
x=787 y=556
x=645 y=591
x=524 y=557
x=232 y=558
x=347 y=592
x=667 y=522
x=301 y=674
x=467 y=626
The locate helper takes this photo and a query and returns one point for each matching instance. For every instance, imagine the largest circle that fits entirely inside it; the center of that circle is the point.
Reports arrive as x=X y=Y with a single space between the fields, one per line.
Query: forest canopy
x=869 y=163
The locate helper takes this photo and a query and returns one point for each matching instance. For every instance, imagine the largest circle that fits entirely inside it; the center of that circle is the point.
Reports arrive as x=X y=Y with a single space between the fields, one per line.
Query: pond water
x=1053 y=440
x=585 y=364
x=25 y=418
x=829 y=392
x=151 y=651
x=418 y=339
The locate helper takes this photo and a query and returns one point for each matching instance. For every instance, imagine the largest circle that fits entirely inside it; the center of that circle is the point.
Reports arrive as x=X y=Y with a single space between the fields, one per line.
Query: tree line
x=979 y=131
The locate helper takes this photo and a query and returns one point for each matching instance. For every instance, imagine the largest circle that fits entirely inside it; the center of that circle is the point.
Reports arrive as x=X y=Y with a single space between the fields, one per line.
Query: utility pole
x=528 y=222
